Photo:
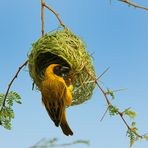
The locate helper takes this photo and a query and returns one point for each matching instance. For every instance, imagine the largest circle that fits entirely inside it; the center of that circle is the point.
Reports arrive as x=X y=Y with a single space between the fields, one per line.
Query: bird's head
x=56 y=69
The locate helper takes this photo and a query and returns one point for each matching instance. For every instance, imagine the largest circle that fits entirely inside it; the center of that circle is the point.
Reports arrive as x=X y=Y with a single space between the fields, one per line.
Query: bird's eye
x=61 y=70
x=57 y=70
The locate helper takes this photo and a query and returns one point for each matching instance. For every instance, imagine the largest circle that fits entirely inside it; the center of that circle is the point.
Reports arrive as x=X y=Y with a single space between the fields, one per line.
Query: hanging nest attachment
x=65 y=48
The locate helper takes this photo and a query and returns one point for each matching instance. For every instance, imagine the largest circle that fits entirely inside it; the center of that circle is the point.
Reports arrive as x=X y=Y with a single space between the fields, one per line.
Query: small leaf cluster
x=113 y=110
x=130 y=113
x=132 y=134
x=132 y=131
x=6 y=111
x=111 y=93
x=146 y=136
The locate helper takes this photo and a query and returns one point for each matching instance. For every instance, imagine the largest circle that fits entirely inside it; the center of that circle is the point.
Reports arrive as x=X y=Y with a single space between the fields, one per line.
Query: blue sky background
x=116 y=33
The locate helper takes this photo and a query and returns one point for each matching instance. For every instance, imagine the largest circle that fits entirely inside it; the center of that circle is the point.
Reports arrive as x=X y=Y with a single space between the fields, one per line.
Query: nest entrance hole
x=43 y=60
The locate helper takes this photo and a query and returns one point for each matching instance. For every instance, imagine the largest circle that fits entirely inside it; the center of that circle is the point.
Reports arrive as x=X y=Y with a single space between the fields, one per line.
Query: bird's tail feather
x=65 y=127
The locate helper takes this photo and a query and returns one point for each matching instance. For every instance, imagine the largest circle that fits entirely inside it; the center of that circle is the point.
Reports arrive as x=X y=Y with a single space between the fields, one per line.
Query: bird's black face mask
x=61 y=71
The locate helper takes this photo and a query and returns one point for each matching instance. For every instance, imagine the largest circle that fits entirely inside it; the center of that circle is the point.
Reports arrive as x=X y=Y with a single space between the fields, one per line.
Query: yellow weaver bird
x=56 y=95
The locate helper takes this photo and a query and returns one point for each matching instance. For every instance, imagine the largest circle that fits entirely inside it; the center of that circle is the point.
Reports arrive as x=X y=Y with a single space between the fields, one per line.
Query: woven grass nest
x=65 y=48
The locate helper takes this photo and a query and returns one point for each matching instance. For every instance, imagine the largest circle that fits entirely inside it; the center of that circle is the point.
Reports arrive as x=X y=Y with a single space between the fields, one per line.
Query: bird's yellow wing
x=53 y=97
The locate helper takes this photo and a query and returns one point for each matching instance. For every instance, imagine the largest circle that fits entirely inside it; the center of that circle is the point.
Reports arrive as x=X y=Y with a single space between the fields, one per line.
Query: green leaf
x=15 y=96
x=7 y=124
x=10 y=102
x=113 y=110
x=130 y=113
x=2 y=96
x=6 y=116
x=146 y=137
x=6 y=112
x=132 y=137
x=111 y=93
x=18 y=101
x=133 y=124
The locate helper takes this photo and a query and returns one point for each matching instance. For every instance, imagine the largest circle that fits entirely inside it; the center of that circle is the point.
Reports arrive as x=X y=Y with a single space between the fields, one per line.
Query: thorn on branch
x=114 y=110
x=104 y=114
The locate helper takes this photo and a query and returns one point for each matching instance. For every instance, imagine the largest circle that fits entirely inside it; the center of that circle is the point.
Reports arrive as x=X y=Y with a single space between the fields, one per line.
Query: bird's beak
x=65 y=69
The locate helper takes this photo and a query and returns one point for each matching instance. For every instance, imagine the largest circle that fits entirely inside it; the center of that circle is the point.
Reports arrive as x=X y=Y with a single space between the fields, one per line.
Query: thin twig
x=42 y=28
x=133 y=4
x=103 y=73
x=122 y=89
x=42 y=16
x=95 y=80
x=109 y=104
x=126 y=110
x=44 y=5
x=57 y=16
x=11 y=82
x=50 y=143
x=104 y=114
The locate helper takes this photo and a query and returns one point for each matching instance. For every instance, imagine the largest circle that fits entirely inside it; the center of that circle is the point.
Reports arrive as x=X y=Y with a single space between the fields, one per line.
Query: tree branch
x=44 y=5
x=54 y=143
x=133 y=4
x=57 y=16
x=11 y=82
x=42 y=16
x=109 y=104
